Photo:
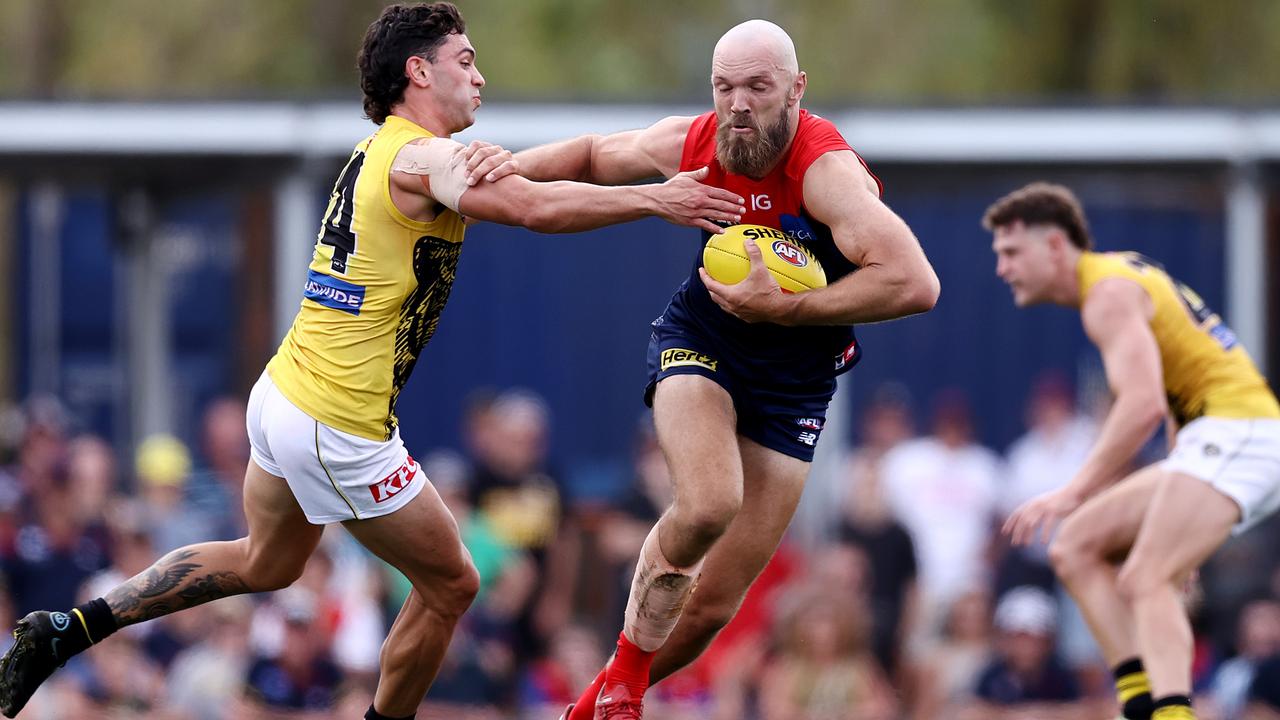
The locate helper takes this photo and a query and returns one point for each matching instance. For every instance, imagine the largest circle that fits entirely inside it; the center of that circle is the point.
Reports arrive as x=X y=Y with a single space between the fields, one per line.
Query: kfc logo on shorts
x=811 y=423
x=790 y=253
x=389 y=486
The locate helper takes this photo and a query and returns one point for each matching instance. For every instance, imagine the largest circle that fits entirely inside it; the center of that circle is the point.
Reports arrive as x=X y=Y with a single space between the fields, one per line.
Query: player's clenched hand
x=684 y=200
x=488 y=161
x=758 y=298
x=1036 y=519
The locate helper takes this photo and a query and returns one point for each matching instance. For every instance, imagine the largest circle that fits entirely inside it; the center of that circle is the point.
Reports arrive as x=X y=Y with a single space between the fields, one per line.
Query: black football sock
x=1133 y=691
x=372 y=714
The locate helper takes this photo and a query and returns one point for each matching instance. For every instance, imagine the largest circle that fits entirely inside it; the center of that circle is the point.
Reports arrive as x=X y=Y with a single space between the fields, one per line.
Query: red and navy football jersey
x=779 y=353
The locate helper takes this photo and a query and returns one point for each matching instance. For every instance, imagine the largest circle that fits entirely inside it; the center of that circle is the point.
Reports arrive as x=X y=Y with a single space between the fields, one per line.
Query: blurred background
x=163 y=167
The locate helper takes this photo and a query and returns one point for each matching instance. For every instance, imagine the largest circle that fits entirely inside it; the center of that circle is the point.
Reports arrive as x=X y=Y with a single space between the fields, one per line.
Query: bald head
x=756 y=86
x=760 y=41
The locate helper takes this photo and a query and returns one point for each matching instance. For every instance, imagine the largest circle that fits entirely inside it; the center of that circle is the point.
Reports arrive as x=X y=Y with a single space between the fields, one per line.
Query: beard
x=751 y=155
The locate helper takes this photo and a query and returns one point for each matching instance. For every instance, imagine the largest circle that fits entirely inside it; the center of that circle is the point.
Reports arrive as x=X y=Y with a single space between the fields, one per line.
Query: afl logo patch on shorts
x=790 y=253
x=333 y=293
x=679 y=357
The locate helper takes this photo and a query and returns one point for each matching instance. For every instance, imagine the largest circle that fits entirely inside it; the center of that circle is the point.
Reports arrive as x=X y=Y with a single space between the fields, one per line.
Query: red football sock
x=585 y=707
x=630 y=667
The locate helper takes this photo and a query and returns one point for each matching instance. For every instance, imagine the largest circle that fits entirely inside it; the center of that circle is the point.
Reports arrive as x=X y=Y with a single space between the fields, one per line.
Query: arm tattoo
x=151 y=593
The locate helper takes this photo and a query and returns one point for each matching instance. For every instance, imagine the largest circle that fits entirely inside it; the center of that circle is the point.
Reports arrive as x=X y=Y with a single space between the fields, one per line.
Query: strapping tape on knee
x=658 y=594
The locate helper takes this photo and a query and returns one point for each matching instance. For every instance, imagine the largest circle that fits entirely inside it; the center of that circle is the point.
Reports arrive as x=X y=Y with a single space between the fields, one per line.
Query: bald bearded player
x=740 y=376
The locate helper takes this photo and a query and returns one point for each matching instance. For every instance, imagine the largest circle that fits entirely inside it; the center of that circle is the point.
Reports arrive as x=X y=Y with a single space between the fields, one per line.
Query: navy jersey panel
x=786 y=417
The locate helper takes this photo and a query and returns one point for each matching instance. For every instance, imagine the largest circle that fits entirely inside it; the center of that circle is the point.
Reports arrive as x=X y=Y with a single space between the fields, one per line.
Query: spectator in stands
x=1026 y=680
x=301 y=676
x=1055 y=446
x=163 y=466
x=53 y=554
x=513 y=490
x=215 y=489
x=479 y=671
x=942 y=488
x=1264 y=692
x=206 y=680
x=43 y=447
x=91 y=480
x=868 y=523
x=825 y=669
x=1257 y=639
x=119 y=681
x=947 y=673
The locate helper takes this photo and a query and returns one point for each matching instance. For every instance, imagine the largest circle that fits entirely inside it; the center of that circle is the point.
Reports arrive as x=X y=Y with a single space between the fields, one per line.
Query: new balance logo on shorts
x=677 y=357
x=389 y=486
x=808 y=438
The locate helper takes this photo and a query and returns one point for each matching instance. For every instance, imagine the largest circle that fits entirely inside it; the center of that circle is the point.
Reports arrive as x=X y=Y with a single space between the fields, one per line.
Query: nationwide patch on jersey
x=679 y=357
x=333 y=293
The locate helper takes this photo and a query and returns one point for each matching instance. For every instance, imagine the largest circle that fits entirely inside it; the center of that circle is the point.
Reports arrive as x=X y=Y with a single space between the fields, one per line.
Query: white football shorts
x=334 y=475
x=1241 y=458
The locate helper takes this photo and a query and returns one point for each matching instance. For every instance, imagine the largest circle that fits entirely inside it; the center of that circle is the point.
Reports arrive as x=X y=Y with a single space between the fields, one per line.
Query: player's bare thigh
x=1186 y=521
x=421 y=539
x=696 y=422
x=280 y=537
x=1107 y=524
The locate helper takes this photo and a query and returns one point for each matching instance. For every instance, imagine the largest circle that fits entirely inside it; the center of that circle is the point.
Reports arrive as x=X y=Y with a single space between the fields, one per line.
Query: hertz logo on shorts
x=678 y=357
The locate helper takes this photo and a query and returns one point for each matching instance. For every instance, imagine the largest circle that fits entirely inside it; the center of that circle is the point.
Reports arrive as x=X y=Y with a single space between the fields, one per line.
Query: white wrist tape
x=441 y=161
x=658 y=594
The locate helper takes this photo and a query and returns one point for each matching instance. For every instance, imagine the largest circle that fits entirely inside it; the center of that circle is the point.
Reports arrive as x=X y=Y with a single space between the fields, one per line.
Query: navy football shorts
x=786 y=417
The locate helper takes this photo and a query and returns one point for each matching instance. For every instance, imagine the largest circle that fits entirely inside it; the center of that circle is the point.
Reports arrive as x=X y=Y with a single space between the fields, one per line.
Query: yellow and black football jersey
x=375 y=289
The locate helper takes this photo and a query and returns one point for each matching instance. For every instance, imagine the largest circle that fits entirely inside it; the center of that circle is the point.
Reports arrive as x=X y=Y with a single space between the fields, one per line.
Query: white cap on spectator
x=1027 y=609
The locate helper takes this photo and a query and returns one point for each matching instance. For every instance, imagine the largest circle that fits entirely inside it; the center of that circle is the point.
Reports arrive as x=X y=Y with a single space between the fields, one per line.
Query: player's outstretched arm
x=616 y=159
x=437 y=169
x=1116 y=317
x=565 y=207
x=894 y=278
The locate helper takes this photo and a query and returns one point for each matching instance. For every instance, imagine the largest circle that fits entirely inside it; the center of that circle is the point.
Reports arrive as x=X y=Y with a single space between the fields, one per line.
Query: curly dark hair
x=1042 y=203
x=401 y=32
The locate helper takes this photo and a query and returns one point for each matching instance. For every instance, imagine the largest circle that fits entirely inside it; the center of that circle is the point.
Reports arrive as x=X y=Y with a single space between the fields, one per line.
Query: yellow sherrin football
x=791 y=264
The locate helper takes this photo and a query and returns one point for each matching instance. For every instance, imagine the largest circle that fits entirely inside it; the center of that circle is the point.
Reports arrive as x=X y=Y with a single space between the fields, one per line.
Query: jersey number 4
x=336 y=230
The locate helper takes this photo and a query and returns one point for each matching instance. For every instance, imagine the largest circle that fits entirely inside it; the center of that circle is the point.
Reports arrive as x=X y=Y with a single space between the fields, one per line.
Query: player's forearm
x=565 y=160
x=872 y=294
x=1129 y=425
x=567 y=207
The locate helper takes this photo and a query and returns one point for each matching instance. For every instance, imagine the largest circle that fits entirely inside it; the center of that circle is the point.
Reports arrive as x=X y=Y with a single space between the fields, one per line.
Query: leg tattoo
x=151 y=593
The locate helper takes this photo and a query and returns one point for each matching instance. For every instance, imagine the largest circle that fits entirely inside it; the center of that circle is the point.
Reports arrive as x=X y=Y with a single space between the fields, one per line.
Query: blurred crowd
x=896 y=598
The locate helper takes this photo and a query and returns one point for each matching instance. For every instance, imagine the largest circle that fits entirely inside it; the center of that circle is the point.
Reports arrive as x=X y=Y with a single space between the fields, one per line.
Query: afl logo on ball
x=790 y=253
